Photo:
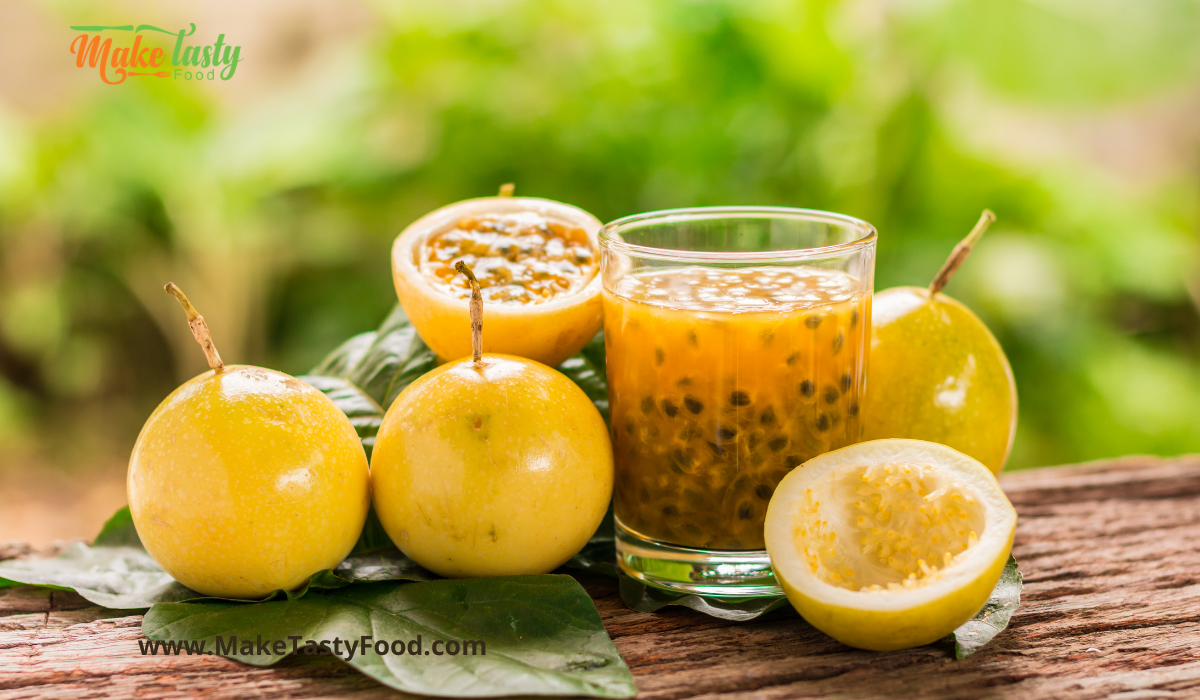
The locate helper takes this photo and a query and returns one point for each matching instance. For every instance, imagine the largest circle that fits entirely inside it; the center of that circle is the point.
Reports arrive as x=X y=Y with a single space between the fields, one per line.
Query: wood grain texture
x=1111 y=609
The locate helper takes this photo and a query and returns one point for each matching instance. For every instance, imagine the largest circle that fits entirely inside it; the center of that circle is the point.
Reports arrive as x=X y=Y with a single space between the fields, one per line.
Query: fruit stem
x=476 y=310
x=199 y=328
x=961 y=251
x=506 y=190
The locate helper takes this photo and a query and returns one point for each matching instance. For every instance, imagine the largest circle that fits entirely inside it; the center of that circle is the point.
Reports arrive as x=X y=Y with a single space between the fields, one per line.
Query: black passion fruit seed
x=847 y=382
x=812 y=321
x=831 y=394
x=807 y=388
x=823 y=422
x=659 y=356
x=693 y=404
x=739 y=398
x=838 y=341
x=670 y=409
x=777 y=444
x=647 y=405
x=763 y=491
x=768 y=416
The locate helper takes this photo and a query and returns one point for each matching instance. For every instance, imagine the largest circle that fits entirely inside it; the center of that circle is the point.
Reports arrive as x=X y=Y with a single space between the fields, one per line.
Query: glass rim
x=609 y=233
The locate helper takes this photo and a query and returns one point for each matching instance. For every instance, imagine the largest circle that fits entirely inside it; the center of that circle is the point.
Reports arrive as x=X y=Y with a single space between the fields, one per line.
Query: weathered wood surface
x=1111 y=609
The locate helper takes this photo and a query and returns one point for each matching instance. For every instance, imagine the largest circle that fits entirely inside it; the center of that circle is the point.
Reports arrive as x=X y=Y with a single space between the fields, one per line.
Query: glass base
x=705 y=572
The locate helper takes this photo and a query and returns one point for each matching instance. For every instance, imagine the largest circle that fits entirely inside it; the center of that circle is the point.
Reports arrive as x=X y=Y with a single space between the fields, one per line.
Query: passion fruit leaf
x=993 y=618
x=346 y=356
x=396 y=357
x=114 y=577
x=642 y=597
x=116 y=572
x=118 y=531
x=540 y=635
x=587 y=370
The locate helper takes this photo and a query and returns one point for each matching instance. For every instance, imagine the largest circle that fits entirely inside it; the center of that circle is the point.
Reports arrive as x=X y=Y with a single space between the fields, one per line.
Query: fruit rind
x=504 y=470
x=908 y=316
x=887 y=620
x=246 y=482
x=549 y=332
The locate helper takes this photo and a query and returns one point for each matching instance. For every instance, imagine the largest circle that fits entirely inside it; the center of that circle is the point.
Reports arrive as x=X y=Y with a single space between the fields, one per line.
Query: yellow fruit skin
x=903 y=629
x=550 y=332
x=247 y=481
x=936 y=373
x=496 y=470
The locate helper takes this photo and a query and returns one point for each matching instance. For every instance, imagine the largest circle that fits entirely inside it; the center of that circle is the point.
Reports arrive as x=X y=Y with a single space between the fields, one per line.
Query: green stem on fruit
x=476 y=310
x=961 y=251
x=507 y=189
x=199 y=328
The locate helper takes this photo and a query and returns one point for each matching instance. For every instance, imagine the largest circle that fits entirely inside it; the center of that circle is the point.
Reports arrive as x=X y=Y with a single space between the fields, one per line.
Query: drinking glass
x=737 y=342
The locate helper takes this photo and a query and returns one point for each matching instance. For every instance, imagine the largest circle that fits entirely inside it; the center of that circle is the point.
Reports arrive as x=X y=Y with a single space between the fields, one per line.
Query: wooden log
x=1111 y=609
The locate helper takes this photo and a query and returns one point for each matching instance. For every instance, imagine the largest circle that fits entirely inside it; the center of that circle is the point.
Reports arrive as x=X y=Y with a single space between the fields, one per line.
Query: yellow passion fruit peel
x=537 y=262
x=245 y=480
x=889 y=544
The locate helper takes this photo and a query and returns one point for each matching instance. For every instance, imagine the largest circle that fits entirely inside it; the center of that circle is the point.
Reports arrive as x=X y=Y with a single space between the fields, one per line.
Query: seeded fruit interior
x=520 y=258
x=721 y=382
x=887 y=527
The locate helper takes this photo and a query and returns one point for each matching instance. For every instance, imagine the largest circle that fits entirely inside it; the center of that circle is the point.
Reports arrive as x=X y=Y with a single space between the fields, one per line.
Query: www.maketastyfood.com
x=336 y=646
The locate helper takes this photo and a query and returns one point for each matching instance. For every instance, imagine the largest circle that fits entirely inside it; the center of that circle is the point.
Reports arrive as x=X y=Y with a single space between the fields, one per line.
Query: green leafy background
x=273 y=199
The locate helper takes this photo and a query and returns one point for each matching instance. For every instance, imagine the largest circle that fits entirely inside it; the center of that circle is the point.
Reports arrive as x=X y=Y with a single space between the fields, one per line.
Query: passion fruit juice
x=721 y=381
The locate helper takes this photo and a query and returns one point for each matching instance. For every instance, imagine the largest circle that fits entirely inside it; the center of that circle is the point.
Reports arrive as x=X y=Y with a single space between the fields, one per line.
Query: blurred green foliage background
x=273 y=199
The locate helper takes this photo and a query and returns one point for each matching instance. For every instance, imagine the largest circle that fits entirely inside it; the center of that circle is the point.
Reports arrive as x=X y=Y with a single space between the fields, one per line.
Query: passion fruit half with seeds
x=889 y=544
x=537 y=264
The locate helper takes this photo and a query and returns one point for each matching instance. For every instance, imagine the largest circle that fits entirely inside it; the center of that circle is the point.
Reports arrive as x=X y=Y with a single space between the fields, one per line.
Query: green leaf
x=386 y=565
x=118 y=531
x=541 y=634
x=993 y=618
x=117 y=572
x=345 y=357
x=587 y=370
x=114 y=577
x=642 y=597
x=396 y=357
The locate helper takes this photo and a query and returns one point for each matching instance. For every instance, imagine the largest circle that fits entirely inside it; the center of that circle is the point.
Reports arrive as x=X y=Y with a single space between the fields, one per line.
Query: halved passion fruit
x=538 y=268
x=889 y=544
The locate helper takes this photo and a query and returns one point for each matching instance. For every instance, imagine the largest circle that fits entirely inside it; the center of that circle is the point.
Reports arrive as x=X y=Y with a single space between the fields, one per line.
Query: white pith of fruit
x=887 y=525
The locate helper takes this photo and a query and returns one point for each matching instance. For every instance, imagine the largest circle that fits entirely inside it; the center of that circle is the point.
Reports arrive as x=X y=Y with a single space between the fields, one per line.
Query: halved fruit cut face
x=518 y=258
x=537 y=262
x=891 y=543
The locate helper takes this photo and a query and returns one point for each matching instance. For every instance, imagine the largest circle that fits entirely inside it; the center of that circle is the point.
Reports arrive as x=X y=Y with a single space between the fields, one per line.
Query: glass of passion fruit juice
x=737 y=343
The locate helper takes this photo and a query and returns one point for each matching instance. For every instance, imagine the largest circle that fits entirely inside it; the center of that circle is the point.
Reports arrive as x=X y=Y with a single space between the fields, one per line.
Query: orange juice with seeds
x=721 y=381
